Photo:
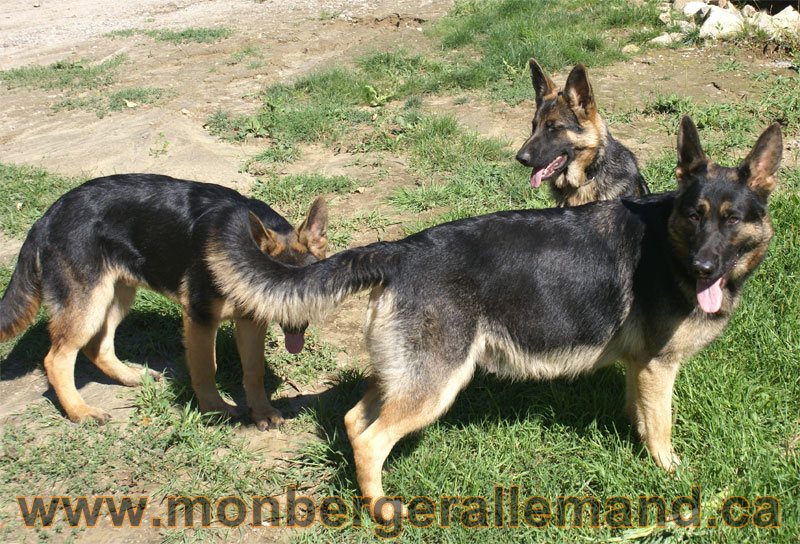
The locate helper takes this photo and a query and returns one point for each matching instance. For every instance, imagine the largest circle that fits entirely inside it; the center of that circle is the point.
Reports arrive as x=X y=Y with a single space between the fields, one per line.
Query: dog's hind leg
x=100 y=349
x=201 y=358
x=649 y=396
x=73 y=325
x=250 y=343
x=364 y=413
x=402 y=411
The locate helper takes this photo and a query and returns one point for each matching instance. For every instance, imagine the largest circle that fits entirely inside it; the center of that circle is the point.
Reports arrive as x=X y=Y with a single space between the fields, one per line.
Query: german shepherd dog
x=86 y=256
x=570 y=145
x=533 y=294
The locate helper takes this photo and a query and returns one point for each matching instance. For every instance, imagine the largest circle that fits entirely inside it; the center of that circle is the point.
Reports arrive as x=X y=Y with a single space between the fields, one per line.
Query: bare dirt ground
x=296 y=37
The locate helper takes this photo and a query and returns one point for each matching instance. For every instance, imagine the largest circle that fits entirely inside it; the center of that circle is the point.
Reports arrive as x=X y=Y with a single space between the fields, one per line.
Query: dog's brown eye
x=694 y=217
x=732 y=220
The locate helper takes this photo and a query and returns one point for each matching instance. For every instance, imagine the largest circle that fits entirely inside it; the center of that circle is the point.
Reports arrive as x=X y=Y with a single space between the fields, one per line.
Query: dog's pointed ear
x=690 y=152
x=578 y=92
x=542 y=85
x=759 y=167
x=266 y=239
x=313 y=230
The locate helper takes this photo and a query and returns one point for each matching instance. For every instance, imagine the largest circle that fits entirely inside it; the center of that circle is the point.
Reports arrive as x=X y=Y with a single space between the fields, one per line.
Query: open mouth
x=709 y=294
x=538 y=175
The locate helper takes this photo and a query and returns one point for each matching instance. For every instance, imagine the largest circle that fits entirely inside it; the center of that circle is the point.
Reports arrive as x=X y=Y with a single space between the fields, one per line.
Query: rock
x=665 y=18
x=721 y=23
x=787 y=19
x=678 y=5
x=720 y=3
x=668 y=38
x=748 y=11
x=685 y=26
x=630 y=49
x=696 y=10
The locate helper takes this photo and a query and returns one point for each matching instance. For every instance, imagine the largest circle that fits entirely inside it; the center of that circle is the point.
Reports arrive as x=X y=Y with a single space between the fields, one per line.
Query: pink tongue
x=536 y=178
x=293 y=342
x=709 y=295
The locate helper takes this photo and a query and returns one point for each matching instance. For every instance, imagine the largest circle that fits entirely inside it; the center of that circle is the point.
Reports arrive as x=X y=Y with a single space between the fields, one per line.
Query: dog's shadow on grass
x=595 y=401
x=143 y=338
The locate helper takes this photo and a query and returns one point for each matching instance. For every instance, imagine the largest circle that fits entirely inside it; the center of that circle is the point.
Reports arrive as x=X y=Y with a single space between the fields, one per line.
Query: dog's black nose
x=702 y=268
x=523 y=156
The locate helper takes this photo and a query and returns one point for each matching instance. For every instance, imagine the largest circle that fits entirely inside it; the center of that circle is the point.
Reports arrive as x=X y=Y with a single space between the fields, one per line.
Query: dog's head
x=719 y=226
x=298 y=247
x=566 y=131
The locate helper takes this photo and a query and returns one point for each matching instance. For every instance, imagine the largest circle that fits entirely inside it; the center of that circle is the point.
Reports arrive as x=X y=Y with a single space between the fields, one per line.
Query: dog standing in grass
x=571 y=147
x=86 y=256
x=534 y=294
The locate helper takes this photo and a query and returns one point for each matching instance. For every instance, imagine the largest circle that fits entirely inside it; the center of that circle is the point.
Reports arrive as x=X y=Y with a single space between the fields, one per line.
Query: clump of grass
x=293 y=194
x=120 y=100
x=187 y=35
x=27 y=193
x=67 y=75
x=727 y=126
x=507 y=33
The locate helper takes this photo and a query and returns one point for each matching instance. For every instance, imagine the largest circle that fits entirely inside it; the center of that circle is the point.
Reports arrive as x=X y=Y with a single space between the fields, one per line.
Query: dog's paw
x=219 y=406
x=89 y=413
x=667 y=459
x=269 y=420
x=155 y=374
x=388 y=510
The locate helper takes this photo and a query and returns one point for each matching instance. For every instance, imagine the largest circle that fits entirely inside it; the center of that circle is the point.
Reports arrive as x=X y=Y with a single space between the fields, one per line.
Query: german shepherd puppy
x=85 y=257
x=570 y=145
x=533 y=294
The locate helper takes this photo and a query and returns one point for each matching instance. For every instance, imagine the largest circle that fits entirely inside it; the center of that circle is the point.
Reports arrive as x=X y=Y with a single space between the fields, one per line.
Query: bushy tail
x=23 y=295
x=293 y=296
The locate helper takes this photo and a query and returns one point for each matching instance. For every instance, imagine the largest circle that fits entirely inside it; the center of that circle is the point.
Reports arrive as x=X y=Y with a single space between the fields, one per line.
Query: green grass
x=506 y=33
x=27 y=193
x=103 y=103
x=485 y=45
x=187 y=35
x=65 y=75
x=294 y=194
x=725 y=126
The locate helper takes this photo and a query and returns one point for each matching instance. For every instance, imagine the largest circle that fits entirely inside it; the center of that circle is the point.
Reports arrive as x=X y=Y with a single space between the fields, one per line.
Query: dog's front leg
x=649 y=396
x=250 y=344
x=201 y=358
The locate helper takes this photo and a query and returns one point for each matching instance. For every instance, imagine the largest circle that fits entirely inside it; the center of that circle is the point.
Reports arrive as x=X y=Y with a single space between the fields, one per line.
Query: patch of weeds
x=249 y=52
x=733 y=125
x=729 y=65
x=280 y=152
x=67 y=75
x=477 y=174
x=27 y=193
x=327 y=15
x=134 y=97
x=293 y=194
x=315 y=361
x=190 y=35
x=116 y=101
x=508 y=32
x=160 y=147
x=340 y=230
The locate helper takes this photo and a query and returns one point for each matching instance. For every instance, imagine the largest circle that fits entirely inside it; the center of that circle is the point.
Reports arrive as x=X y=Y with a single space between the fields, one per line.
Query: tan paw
x=667 y=459
x=386 y=511
x=89 y=413
x=267 y=420
x=218 y=405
